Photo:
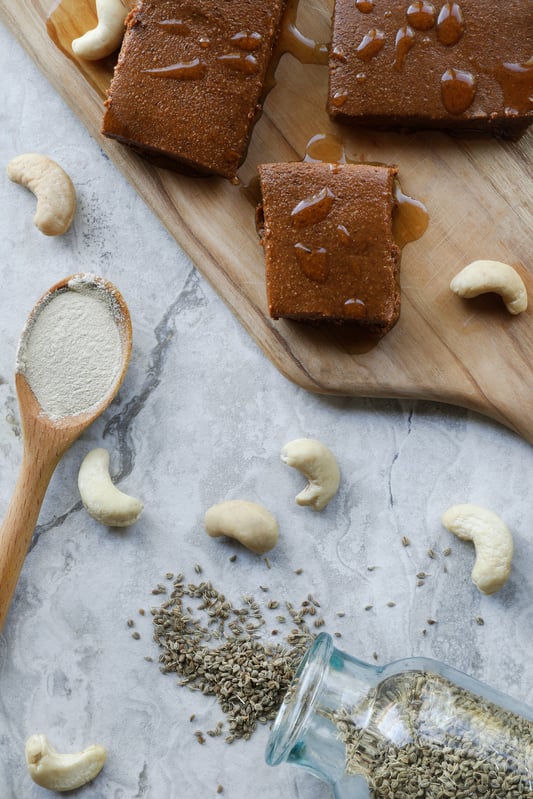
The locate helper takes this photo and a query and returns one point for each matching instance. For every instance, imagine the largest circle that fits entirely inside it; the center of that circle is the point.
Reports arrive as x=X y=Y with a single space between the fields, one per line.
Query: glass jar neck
x=305 y=731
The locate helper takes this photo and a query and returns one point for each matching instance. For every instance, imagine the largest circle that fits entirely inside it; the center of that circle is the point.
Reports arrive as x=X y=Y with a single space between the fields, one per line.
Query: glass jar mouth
x=299 y=700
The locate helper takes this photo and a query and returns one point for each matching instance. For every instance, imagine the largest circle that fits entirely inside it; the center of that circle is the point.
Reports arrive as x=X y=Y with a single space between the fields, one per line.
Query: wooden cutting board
x=478 y=194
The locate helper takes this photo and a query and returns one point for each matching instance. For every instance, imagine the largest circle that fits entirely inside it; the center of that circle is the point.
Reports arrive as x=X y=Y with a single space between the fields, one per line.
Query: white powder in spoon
x=71 y=350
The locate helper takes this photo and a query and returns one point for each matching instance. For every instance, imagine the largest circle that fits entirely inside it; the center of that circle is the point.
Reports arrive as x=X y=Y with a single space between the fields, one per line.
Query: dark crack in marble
x=396 y=456
x=142 y=783
x=120 y=424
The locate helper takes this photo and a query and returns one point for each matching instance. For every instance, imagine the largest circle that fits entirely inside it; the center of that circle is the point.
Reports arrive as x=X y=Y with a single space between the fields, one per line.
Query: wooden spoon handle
x=18 y=526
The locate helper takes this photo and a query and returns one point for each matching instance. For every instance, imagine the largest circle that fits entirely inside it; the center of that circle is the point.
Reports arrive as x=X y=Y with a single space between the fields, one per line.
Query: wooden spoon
x=46 y=439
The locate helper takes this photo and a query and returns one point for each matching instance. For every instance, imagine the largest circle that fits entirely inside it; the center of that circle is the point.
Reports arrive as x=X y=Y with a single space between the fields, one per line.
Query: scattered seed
x=136 y=635
x=431 y=554
x=149 y=659
x=480 y=620
x=431 y=621
x=405 y=541
x=197 y=568
x=422 y=575
x=220 y=789
x=341 y=614
x=370 y=568
x=391 y=604
x=447 y=551
x=130 y=623
x=264 y=588
x=142 y=611
x=337 y=635
x=169 y=576
x=192 y=716
x=375 y=655
x=248 y=675
x=298 y=571
x=369 y=607
x=233 y=558
x=268 y=563
x=420 y=583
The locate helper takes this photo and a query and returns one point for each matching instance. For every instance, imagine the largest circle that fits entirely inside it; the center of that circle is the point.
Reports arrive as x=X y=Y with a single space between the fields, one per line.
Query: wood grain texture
x=478 y=193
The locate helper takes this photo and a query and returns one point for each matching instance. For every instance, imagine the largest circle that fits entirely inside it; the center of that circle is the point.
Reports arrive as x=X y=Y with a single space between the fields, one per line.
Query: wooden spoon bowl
x=46 y=440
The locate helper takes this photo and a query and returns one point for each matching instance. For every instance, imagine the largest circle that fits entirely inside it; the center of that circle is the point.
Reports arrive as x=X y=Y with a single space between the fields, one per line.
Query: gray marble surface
x=201 y=417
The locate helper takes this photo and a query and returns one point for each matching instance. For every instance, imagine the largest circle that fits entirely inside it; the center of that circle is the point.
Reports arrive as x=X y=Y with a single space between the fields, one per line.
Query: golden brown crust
x=190 y=80
x=461 y=66
x=329 y=248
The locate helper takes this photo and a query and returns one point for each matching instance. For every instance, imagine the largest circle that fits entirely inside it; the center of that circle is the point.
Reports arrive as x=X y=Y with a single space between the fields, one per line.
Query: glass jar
x=415 y=729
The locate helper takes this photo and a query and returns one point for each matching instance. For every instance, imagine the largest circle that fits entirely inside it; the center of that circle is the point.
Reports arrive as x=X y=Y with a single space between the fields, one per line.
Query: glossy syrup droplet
x=410 y=217
x=421 y=15
x=344 y=234
x=458 y=89
x=325 y=148
x=238 y=62
x=370 y=45
x=355 y=308
x=450 y=24
x=364 y=6
x=339 y=98
x=291 y=40
x=246 y=40
x=338 y=54
x=516 y=81
x=175 y=26
x=185 y=70
x=313 y=209
x=313 y=261
x=405 y=39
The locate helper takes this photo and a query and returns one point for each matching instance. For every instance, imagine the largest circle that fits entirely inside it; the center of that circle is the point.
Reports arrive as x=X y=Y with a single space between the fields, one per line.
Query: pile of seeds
x=445 y=743
x=227 y=656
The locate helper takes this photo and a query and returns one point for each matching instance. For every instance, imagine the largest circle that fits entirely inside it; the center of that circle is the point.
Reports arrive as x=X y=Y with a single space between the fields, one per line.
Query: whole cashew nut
x=62 y=772
x=316 y=462
x=107 y=36
x=247 y=522
x=492 y=540
x=103 y=500
x=481 y=277
x=56 y=198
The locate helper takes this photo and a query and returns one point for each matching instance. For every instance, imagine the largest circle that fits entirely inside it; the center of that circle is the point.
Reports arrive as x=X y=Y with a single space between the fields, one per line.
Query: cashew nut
x=248 y=522
x=107 y=36
x=56 y=198
x=481 y=277
x=62 y=772
x=316 y=462
x=492 y=540
x=103 y=500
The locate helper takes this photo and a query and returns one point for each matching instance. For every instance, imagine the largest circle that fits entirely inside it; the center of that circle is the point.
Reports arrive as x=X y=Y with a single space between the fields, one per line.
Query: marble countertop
x=201 y=417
